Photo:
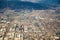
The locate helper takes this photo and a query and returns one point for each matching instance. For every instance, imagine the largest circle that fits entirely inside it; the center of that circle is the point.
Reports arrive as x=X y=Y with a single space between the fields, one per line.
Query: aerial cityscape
x=29 y=20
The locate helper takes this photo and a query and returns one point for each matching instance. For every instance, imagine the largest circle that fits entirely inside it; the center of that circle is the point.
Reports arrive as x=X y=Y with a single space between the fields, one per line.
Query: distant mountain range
x=25 y=5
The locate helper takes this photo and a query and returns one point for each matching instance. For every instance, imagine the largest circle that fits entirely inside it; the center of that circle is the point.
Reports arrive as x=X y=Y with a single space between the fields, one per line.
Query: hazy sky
x=31 y=0
x=40 y=1
x=26 y=0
